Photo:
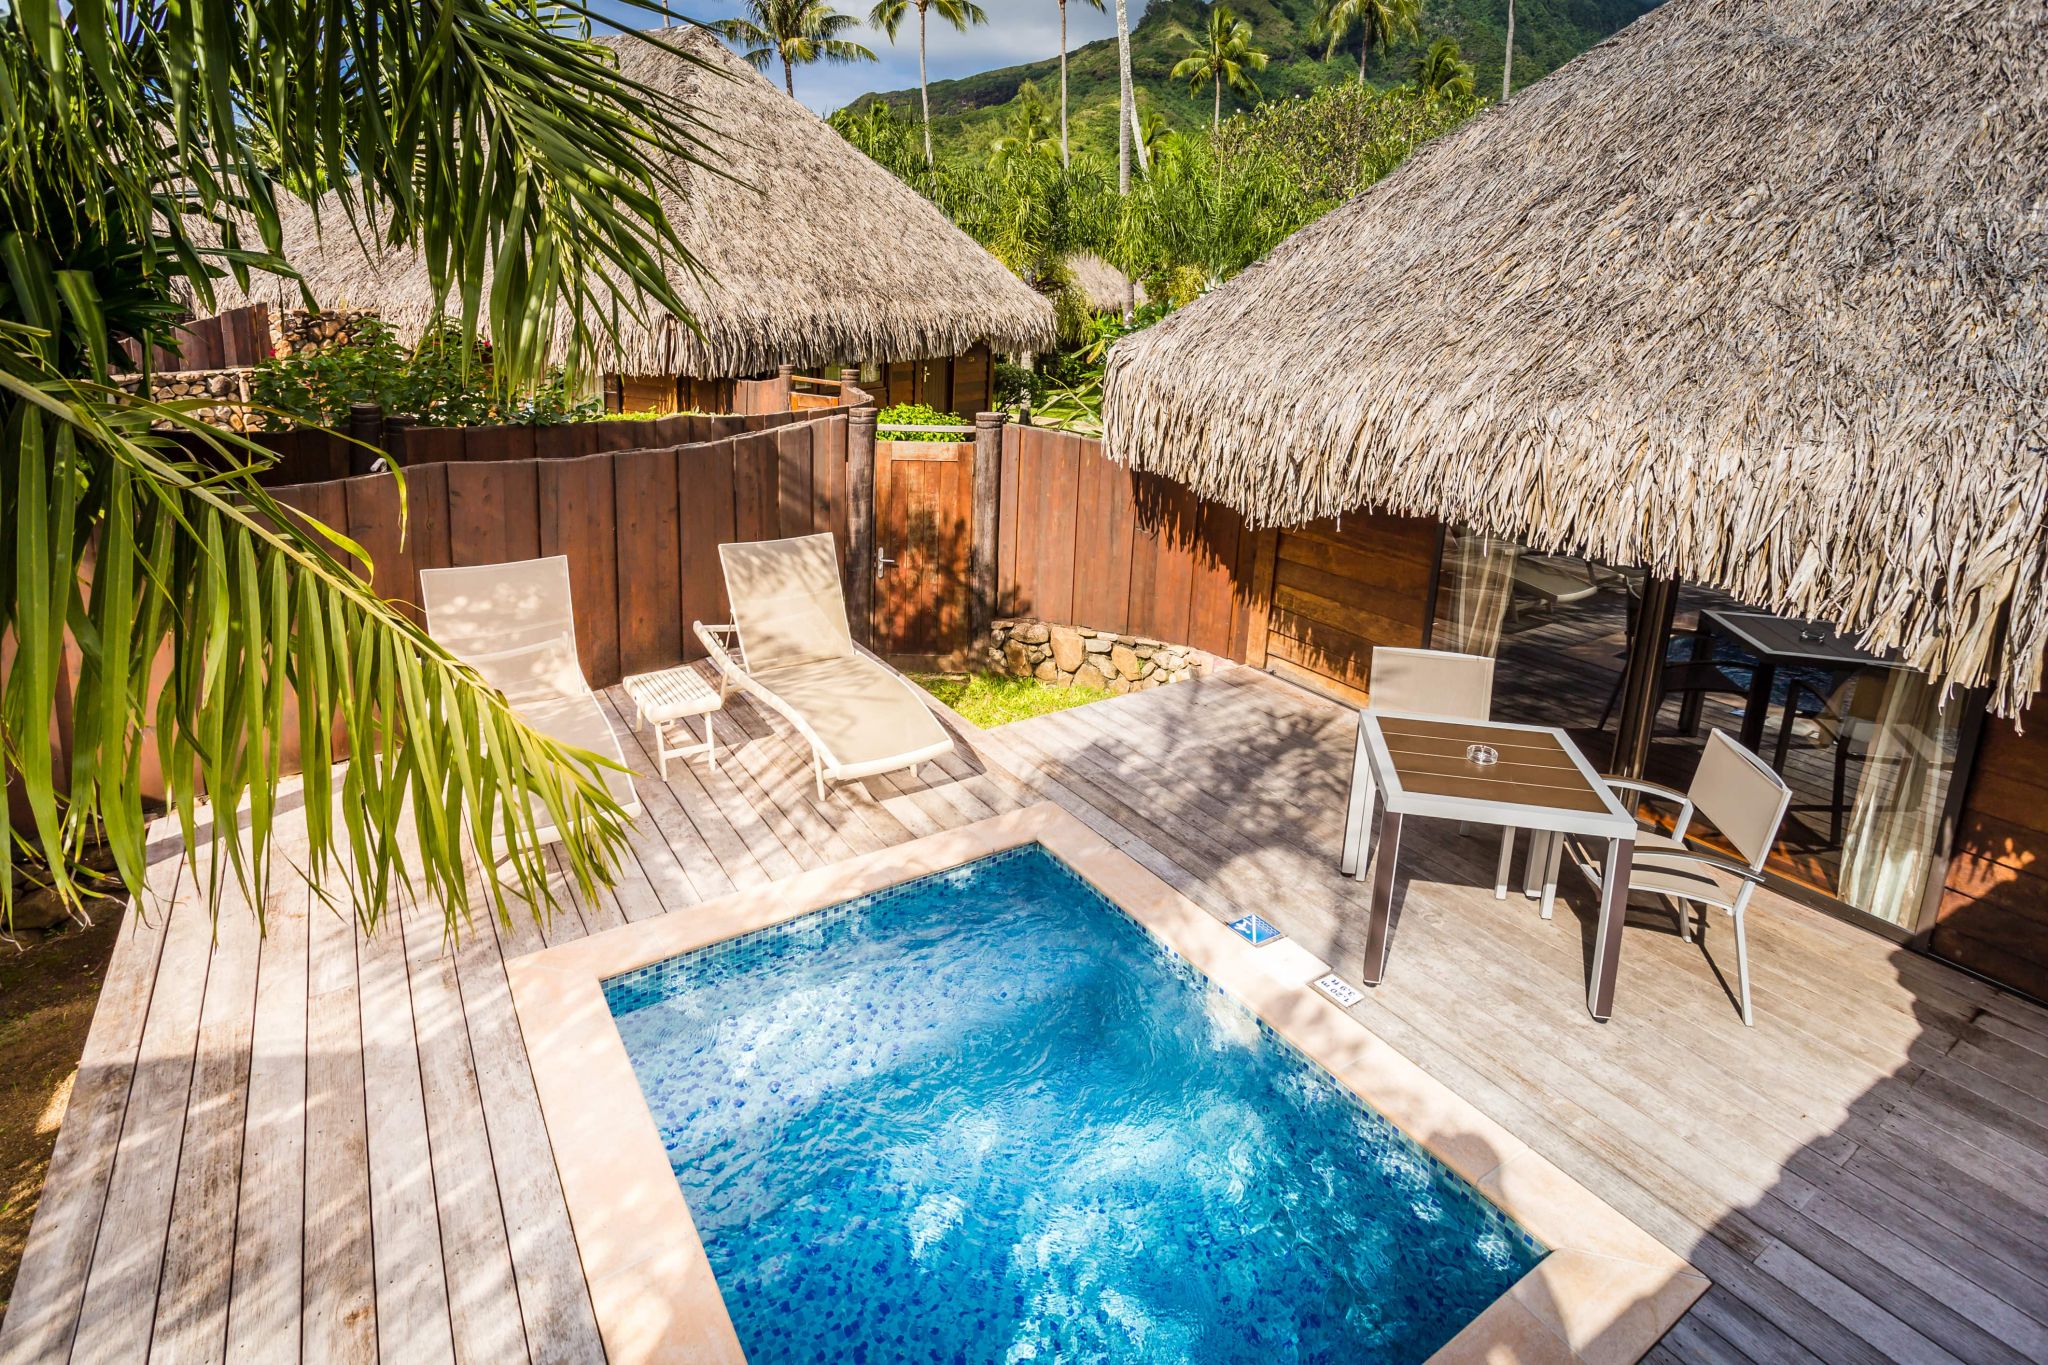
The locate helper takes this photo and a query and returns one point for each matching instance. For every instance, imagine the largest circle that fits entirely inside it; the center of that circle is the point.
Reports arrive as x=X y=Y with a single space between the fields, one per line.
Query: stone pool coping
x=1606 y=1292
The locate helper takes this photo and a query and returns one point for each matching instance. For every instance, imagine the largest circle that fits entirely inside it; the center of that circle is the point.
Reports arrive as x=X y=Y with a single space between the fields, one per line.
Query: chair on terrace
x=514 y=624
x=1745 y=801
x=789 y=645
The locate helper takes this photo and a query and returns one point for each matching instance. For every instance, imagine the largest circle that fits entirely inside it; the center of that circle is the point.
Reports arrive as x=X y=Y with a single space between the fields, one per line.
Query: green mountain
x=969 y=112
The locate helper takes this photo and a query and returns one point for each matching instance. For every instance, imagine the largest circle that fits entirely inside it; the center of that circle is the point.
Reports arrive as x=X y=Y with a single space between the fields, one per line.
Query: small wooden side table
x=668 y=697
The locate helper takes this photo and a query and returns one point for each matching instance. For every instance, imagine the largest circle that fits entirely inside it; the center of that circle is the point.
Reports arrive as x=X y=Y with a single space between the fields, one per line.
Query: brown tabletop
x=1533 y=769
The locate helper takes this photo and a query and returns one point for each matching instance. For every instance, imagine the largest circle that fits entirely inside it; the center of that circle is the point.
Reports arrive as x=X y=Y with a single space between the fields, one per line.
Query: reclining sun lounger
x=789 y=645
x=513 y=624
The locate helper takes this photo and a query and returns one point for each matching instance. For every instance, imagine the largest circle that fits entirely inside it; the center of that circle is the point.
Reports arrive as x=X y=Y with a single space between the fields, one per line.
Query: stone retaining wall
x=1074 y=656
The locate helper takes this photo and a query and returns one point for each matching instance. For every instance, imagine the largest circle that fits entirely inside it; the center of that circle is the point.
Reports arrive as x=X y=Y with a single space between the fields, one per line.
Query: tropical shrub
x=435 y=383
x=920 y=415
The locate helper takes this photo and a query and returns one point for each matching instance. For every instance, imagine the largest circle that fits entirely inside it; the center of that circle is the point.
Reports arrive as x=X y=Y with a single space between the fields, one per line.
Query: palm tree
x=1443 y=71
x=144 y=153
x=1027 y=132
x=1127 y=101
x=887 y=15
x=1066 y=157
x=1379 y=22
x=798 y=31
x=1224 y=55
x=1507 y=54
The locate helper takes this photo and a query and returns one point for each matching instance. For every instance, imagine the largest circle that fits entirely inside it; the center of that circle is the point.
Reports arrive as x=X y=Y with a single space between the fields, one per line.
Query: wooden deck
x=323 y=1147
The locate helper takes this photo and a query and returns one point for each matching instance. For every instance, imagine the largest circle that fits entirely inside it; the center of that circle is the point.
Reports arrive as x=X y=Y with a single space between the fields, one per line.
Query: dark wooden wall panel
x=704 y=503
x=1993 y=916
x=1105 y=523
x=649 y=559
x=794 y=512
x=577 y=519
x=756 y=461
x=1339 y=590
x=493 y=512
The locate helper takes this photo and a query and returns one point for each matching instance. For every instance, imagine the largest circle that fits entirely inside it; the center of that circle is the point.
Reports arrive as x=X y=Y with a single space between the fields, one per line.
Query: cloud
x=1018 y=31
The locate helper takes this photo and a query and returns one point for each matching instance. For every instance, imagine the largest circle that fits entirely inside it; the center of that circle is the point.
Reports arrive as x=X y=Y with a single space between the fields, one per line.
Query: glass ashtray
x=1482 y=754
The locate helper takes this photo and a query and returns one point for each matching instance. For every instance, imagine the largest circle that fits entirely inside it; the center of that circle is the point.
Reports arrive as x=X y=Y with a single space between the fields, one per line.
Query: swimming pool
x=984 y=1115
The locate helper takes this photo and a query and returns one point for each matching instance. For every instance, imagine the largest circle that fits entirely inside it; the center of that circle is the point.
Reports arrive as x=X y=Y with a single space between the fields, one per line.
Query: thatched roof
x=1753 y=294
x=1106 y=288
x=811 y=252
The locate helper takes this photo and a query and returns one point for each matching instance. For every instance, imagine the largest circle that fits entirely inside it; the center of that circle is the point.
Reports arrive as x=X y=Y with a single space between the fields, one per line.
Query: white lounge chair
x=513 y=623
x=790 y=646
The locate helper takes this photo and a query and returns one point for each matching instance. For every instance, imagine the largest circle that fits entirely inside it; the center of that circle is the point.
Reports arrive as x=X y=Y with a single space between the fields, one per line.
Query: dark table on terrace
x=1782 y=641
x=1418 y=765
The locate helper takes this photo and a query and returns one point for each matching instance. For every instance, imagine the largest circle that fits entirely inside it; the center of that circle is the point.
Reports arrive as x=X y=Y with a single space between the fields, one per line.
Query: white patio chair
x=1745 y=801
x=1438 y=682
x=515 y=625
x=790 y=646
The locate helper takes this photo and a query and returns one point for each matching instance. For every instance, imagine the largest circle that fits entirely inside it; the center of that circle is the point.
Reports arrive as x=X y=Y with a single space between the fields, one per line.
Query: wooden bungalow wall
x=1993 y=916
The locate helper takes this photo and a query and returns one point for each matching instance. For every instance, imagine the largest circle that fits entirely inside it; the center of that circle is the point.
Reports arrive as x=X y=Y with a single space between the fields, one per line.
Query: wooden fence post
x=860 y=520
x=849 y=383
x=396 y=432
x=988 y=487
x=365 y=424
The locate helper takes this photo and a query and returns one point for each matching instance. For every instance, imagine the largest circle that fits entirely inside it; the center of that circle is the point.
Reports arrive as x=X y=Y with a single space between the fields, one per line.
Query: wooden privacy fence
x=238 y=337
x=313 y=455
x=641 y=528
x=1086 y=542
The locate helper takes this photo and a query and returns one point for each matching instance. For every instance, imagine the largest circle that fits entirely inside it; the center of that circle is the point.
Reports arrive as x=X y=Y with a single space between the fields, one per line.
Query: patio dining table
x=1419 y=765
x=1782 y=642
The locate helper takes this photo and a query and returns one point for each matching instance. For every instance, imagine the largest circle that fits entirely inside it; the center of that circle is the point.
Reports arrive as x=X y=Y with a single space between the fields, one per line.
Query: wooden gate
x=924 y=500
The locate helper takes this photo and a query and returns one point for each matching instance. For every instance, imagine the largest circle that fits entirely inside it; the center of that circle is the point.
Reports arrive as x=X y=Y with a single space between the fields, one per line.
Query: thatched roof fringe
x=1754 y=295
x=810 y=252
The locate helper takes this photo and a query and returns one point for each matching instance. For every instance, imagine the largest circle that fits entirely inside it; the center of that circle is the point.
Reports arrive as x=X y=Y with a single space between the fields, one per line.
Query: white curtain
x=1895 y=823
x=1473 y=589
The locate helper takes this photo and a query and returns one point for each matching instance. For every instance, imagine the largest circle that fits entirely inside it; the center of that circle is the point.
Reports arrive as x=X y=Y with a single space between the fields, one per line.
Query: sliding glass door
x=1866 y=744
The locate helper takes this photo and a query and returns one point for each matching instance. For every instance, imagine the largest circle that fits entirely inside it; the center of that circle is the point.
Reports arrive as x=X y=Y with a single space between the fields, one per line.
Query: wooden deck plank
x=475 y=1252
x=49 y=1286
x=340 y=1315
x=264 y=1305
x=413 y=1321
x=561 y=1327
x=192 y=1299
x=117 y=1316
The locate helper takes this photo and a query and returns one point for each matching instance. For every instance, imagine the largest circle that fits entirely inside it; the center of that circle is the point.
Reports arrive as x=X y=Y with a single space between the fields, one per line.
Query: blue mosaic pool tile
x=984 y=1115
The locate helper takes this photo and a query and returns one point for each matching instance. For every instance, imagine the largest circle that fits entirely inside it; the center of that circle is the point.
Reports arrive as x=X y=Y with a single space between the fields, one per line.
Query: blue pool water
x=984 y=1116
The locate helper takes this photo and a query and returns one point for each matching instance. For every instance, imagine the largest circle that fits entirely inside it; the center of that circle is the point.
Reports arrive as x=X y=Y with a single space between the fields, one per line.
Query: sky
x=1017 y=31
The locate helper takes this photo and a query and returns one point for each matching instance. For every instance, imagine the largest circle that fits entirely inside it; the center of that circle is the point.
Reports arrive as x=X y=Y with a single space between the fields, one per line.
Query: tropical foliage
x=901 y=415
x=144 y=149
x=794 y=32
x=439 y=382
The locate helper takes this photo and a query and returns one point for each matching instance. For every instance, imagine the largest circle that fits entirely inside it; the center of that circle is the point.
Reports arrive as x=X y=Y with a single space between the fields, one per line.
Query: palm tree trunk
x=1507 y=56
x=924 y=90
x=1364 y=51
x=1066 y=157
x=788 y=78
x=1216 y=119
x=1124 y=101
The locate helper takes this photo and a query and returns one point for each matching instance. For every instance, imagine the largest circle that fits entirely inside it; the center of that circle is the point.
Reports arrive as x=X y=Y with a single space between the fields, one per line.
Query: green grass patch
x=992 y=699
